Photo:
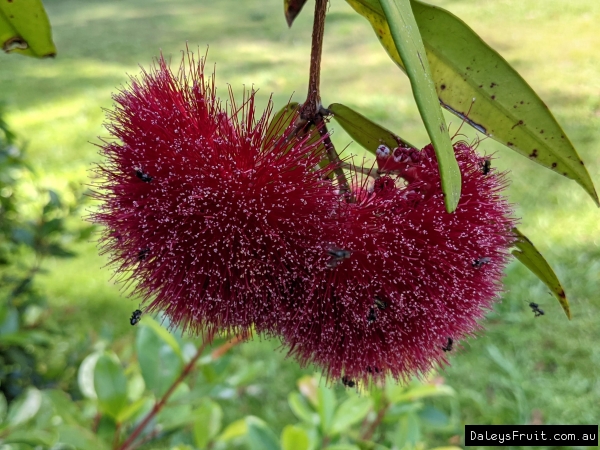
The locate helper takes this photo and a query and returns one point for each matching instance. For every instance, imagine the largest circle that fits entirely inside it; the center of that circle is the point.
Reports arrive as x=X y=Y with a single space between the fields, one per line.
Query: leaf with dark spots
x=531 y=258
x=450 y=47
x=292 y=8
x=25 y=29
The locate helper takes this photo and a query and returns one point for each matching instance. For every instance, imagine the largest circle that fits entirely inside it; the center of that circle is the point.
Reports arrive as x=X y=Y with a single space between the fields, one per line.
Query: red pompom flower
x=227 y=224
x=416 y=279
x=213 y=220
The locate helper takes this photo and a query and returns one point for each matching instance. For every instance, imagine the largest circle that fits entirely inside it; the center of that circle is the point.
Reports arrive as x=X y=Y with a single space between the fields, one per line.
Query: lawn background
x=520 y=368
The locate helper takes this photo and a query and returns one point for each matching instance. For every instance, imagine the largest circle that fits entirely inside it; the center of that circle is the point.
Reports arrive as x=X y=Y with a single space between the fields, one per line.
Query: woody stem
x=312 y=111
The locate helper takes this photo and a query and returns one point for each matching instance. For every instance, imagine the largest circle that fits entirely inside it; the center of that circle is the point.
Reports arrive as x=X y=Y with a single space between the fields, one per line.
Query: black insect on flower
x=348 y=382
x=136 y=316
x=372 y=316
x=487 y=166
x=143 y=176
x=143 y=253
x=536 y=309
x=380 y=303
x=480 y=262
x=448 y=346
x=371 y=370
x=337 y=256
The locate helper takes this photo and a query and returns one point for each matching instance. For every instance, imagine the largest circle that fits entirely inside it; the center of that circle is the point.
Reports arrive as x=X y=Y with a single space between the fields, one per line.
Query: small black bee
x=536 y=309
x=136 y=316
x=374 y=369
x=143 y=176
x=143 y=253
x=487 y=166
x=337 y=255
x=348 y=382
x=372 y=317
x=480 y=262
x=448 y=346
x=380 y=303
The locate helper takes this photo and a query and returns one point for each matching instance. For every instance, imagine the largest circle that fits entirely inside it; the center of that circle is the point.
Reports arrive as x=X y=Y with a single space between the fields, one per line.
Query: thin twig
x=159 y=405
x=216 y=354
x=332 y=155
x=368 y=434
x=312 y=112
x=312 y=105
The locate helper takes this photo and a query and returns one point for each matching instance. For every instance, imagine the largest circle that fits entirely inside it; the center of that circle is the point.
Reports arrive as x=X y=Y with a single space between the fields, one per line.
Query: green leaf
x=342 y=447
x=434 y=417
x=408 y=432
x=178 y=411
x=409 y=44
x=10 y=324
x=25 y=29
x=65 y=407
x=280 y=122
x=260 y=436
x=110 y=385
x=85 y=376
x=32 y=438
x=294 y=438
x=130 y=410
x=292 y=8
x=3 y=408
x=25 y=407
x=420 y=391
x=80 y=438
x=159 y=363
x=353 y=410
x=365 y=132
x=301 y=409
x=164 y=334
x=464 y=68
x=325 y=407
x=534 y=261
x=234 y=430
x=208 y=420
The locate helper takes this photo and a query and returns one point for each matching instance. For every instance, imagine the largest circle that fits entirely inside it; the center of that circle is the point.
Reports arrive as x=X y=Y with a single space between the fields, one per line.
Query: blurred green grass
x=56 y=107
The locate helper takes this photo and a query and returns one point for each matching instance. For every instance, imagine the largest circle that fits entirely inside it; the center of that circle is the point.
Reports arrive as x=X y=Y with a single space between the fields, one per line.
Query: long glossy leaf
x=25 y=29
x=407 y=39
x=534 y=261
x=365 y=132
x=292 y=8
x=464 y=68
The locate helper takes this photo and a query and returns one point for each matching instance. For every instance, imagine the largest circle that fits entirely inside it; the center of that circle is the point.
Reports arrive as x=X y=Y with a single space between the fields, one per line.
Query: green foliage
x=117 y=400
x=32 y=229
x=479 y=86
